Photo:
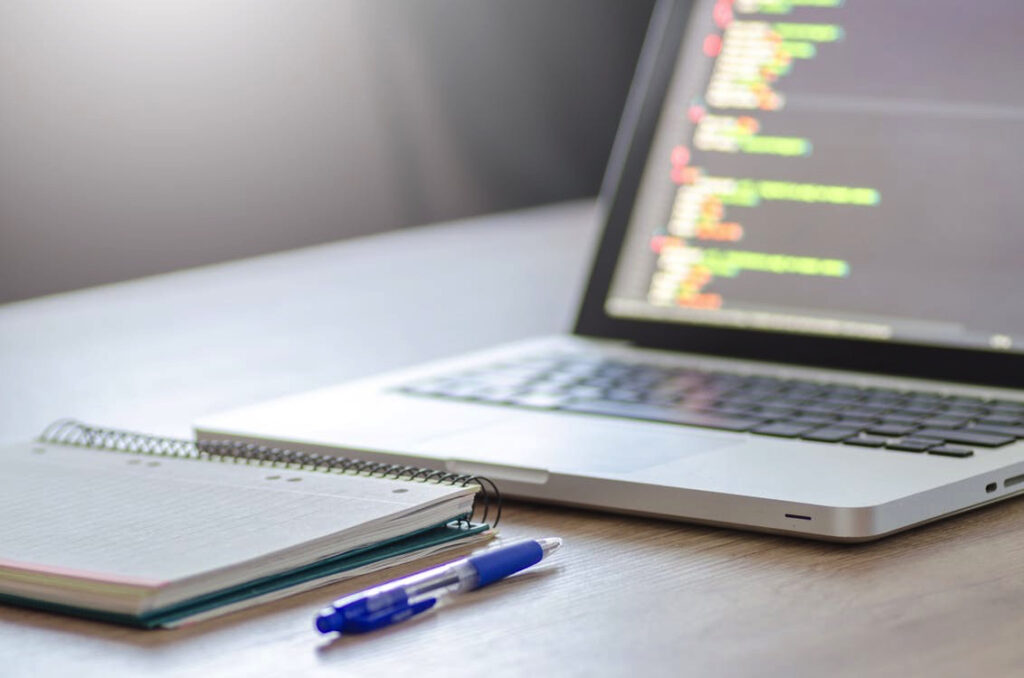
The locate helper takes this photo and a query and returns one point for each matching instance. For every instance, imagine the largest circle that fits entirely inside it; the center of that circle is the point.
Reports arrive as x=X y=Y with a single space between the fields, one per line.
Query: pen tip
x=549 y=544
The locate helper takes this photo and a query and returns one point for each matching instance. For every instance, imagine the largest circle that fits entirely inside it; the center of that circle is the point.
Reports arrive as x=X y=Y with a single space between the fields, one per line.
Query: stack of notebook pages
x=152 y=532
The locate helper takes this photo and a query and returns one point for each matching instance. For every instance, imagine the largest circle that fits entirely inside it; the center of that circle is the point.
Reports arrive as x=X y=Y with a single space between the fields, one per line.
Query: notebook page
x=150 y=519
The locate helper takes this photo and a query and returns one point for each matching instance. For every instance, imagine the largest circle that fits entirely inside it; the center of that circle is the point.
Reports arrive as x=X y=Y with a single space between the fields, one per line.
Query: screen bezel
x=619 y=191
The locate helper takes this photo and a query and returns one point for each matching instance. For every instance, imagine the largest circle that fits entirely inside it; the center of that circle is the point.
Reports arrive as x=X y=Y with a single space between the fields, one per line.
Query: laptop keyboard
x=904 y=421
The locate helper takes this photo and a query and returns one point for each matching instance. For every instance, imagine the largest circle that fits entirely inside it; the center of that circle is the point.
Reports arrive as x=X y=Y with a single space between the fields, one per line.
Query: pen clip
x=388 y=616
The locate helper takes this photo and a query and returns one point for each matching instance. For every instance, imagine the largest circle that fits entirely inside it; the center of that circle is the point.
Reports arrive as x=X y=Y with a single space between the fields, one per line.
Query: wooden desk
x=625 y=596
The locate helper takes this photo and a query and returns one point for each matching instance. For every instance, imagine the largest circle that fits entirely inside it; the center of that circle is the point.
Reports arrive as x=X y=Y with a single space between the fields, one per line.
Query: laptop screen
x=850 y=169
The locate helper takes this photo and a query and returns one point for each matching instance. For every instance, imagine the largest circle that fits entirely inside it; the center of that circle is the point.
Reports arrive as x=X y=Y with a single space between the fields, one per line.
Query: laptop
x=802 y=317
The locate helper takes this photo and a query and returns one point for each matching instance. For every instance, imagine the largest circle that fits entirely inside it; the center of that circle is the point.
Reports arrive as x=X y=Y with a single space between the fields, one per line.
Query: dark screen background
x=923 y=102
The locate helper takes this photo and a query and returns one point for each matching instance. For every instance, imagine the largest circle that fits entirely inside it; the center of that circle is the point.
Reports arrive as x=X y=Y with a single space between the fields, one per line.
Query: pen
x=406 y=597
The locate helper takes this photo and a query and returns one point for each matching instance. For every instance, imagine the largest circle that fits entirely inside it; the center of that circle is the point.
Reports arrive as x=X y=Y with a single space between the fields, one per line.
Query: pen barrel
x=500 y=563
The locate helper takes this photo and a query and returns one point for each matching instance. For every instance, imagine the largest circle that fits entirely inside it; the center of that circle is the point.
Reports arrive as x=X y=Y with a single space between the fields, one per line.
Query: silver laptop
x=804 y=313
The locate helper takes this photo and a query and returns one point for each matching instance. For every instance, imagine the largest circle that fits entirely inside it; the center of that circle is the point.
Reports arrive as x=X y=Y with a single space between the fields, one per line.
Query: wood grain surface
x=625 y=596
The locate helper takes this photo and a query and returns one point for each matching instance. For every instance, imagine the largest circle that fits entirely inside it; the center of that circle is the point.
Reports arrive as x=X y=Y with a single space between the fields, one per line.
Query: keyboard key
x=698 y=401
x=918 y=410
x=664 y=414
x=891 y=398
x=819 y=419
x=1015 y=431
x=841 y=388
x=782 y=429
x=761 y=393
x=865 y=440
x=825 y=408
x=799 y=405
x=944 y=422
x=862 y=411
x=951 y=451
x=1014 y=404
x=801 y=394
x=965 y=412
x=1007 y=408
x=925 y=399
x=745 y=399
x=730 y=409
x=966 y=436
x=773 y=412
x=998 y=420
x=910 y=444
x=905 y=419
x=845 y=399
x=830 y=434
x=891 y=429
x=724 y=379
x=859 y=422
x=969 y=401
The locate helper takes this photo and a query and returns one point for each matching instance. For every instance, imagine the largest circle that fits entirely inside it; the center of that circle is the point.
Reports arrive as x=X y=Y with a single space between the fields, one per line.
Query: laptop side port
x=1013 y=480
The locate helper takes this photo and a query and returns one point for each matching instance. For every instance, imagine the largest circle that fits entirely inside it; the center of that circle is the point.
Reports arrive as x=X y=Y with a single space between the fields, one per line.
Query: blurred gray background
x=142 y=136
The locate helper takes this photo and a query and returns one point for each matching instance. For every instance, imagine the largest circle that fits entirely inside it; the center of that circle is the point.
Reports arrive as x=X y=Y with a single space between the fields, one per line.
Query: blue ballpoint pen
x=403 y=598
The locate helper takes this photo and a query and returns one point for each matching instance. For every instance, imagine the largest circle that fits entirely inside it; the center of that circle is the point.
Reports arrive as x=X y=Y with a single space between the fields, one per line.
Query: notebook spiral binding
x=73 y=432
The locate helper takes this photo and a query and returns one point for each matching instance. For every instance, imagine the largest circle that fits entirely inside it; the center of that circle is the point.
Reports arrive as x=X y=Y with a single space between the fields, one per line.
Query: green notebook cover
x=351 y=560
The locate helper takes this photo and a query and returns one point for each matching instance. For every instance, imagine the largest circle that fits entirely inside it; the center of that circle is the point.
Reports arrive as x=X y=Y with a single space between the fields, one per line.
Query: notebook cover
x=350 y=560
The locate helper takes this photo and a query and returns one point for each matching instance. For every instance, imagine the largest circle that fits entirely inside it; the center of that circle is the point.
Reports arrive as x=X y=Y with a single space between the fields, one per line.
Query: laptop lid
x=823 y=182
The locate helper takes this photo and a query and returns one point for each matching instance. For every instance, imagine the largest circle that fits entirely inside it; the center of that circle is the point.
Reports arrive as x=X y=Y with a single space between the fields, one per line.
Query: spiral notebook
x=154 y=532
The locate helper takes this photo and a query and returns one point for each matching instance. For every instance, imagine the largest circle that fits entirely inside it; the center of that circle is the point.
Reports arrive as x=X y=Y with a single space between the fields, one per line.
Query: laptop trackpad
x=570 y=444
